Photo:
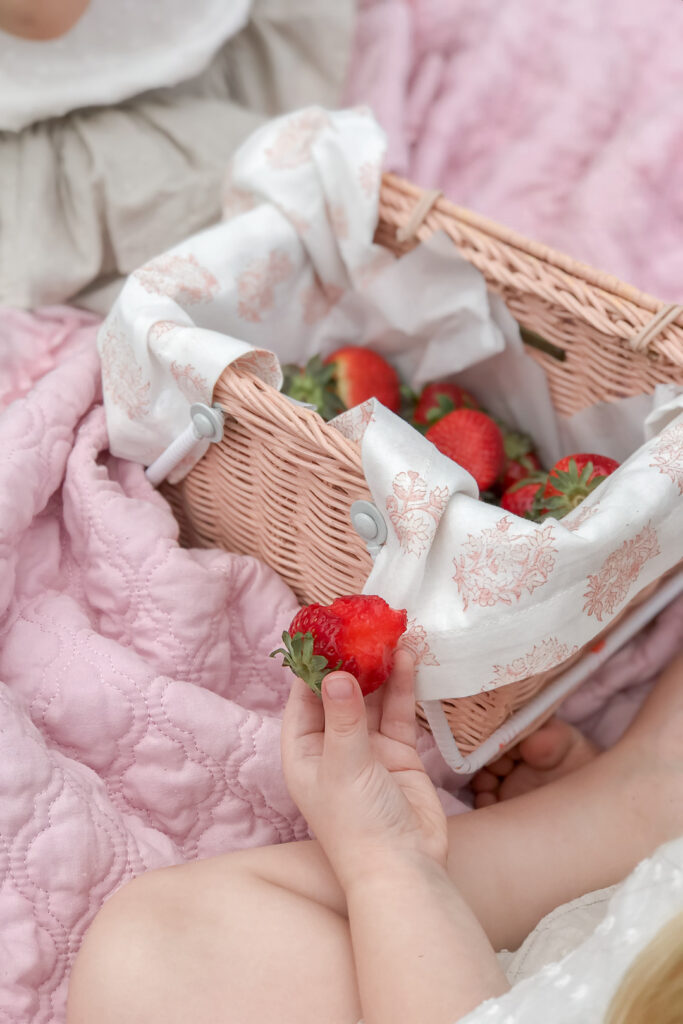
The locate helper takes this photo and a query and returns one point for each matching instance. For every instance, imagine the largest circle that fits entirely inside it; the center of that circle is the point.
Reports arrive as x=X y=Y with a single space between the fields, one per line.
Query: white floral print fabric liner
x=491 y=598
x=292 y=271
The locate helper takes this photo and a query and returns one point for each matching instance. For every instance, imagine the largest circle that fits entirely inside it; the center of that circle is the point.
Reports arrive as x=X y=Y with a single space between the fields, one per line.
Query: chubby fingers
x=346 y=744
x=398 y=706
x=303 y=716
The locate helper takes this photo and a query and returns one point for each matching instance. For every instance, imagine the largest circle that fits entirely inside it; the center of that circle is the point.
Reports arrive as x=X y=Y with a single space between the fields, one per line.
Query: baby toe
x=485 y=782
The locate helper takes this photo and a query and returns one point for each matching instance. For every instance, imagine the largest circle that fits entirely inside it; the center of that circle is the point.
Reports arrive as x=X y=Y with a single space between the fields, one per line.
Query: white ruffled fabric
x=116 y=50
x=578 y=988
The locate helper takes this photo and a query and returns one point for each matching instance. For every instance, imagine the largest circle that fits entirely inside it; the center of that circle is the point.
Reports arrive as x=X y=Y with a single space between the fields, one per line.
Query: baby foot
x=555 y=749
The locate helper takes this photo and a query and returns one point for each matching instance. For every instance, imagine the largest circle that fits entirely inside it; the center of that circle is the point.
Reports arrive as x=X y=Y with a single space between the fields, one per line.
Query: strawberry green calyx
x=299 y=657
x=444 y=405
x=569 y=488
x=409 y=396
x=313 y=384
x=516 y=444
x=533 y=478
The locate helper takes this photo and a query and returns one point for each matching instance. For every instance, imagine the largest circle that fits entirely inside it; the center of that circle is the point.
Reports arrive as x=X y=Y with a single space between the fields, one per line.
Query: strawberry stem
x=444 y=405
x=569 y=488
x=299 y=657
x=313 y=384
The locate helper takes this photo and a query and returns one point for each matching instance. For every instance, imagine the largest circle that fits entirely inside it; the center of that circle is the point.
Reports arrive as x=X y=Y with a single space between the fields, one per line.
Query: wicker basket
x=280 y=484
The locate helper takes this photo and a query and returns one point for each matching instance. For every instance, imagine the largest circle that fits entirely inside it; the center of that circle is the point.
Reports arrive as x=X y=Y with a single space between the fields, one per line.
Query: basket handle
x=206 y=424
x=659 y=322
x=418 y=214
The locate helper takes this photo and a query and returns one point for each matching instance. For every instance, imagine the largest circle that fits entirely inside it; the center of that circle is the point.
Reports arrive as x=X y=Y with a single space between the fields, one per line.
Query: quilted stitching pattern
x=139 y=712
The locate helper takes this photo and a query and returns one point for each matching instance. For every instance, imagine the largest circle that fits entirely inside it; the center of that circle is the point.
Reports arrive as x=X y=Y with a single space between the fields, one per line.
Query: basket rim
x=606 y=282
x=243 y=379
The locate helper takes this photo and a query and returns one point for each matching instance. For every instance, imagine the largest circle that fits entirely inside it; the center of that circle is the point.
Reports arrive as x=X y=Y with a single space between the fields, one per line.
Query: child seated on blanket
x=395 y=911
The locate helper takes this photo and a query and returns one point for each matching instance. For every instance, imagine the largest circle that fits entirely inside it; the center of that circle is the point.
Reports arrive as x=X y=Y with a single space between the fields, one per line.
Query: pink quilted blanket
x=139 y=710
x=562 y=120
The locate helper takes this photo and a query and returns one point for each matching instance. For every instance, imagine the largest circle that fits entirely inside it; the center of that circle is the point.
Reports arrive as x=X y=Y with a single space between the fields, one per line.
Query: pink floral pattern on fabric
x=415 y=511
x=415 y=640
x=369 y=175
x=609 y=587
x=161 y=327
x=317 y=300
x=235 y=201
x=256 y=285
x=578 y=516
x=179 y=277
x=189 y=381
x=262 y=364
x=354 y=422
x=500 y=564
x=667 y=454
x=370 y=271
x=294 y=142
x=297 y=220
x=339 y=221
x=123 y=378
x=541 y=658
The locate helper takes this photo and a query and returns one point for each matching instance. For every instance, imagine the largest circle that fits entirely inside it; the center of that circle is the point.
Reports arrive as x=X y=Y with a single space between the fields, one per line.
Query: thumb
x=346 y=744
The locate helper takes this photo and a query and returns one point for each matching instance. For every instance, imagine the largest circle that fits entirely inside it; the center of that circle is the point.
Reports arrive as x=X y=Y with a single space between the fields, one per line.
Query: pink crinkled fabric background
x=139 y=712
x=561 y=120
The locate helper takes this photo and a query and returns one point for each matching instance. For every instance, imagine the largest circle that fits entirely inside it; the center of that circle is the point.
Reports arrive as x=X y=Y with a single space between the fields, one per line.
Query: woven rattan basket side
x=280 y=484
x=279 y=487
x=591 y=318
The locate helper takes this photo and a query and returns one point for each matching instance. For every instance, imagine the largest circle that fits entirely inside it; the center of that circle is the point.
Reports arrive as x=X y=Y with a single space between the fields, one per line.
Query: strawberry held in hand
x=360 y=373
x=571 y=480
x=474 y=441
x=356 y=634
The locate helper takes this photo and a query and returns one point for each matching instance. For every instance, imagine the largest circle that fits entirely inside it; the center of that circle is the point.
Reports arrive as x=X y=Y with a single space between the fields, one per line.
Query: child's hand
x=352 y=768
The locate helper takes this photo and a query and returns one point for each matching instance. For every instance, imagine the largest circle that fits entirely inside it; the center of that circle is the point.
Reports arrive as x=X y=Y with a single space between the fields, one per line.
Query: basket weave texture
x=281 y=483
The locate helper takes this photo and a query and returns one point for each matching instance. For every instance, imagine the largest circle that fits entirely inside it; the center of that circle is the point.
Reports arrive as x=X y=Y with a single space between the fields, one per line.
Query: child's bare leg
x=554 y=750
x=262 y=934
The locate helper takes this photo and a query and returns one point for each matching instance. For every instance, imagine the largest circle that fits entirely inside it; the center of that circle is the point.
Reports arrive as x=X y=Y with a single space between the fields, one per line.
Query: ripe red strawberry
x=521 y=460
x=473 y=440
x=520 y=497
x=519 y=469
x=571 y=480
x=357 y=634
x=360 y=373
x=438 y=399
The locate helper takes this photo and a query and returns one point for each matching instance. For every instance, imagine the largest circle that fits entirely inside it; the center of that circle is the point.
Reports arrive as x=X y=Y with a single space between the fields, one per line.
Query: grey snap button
x=369 y=524
x=207 y=421
x=365 y=525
